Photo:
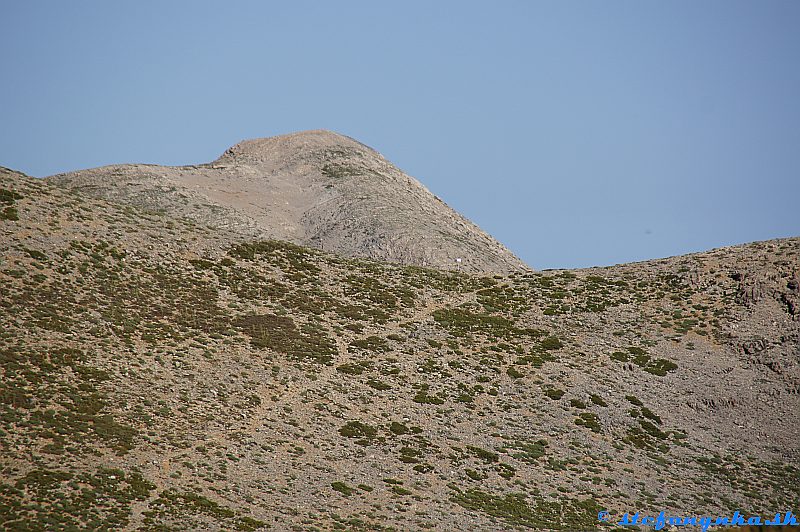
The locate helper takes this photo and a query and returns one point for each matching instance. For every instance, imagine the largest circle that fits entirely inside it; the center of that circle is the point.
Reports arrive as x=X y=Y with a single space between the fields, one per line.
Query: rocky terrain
x=166 y=366
x=314 y=188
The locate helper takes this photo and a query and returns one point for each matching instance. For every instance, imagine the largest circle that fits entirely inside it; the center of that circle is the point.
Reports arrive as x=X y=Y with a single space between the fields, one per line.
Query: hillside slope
x=314 y=188
x=159 y=374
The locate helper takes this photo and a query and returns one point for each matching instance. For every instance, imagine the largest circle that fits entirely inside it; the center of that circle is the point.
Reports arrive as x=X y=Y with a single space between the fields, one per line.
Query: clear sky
x=577 y=133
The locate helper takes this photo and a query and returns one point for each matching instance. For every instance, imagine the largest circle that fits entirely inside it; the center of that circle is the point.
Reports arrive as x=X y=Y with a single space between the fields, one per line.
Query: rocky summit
x=257 y=344
x=316 y=189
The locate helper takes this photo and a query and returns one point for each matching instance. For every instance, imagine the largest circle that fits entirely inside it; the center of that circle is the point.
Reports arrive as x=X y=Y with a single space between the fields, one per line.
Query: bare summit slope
x=314 y=188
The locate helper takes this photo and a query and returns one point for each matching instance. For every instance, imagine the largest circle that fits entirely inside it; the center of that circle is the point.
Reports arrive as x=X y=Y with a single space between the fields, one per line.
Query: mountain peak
x=314 y=188
x=271 y=148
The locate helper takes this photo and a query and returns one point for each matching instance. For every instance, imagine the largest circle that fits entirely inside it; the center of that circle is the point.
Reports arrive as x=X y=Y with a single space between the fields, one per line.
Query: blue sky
x=577 y=133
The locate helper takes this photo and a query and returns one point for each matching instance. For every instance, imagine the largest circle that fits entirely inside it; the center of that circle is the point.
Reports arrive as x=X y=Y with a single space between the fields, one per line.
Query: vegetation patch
x=634 y=400
x=372 y=344
x=424 y=398
x=354 y=368
x=8 y=211
x=525 y=451
x=554 y=393
x=72 y=415
x=514 y=373
x=363 y=433
x=639 y=356
x=280 y=334
x=376 y=384
x=181 y=507
x=487 y=456
x=52 y=499
x=588 y=420
x=597 y=400
x=515 y=510
x=460 y=322
x=342 y=488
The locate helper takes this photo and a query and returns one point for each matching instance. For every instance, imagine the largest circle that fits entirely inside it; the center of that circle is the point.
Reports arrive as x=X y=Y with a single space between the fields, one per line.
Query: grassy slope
x=157 y=375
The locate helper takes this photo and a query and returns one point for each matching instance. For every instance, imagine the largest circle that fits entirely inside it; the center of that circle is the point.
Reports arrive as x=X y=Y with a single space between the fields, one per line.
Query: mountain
x=315 y=188
x=161 y=373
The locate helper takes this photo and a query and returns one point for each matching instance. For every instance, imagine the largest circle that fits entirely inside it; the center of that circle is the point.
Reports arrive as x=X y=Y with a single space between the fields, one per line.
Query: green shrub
x=342 y=488
x=588 y=420
x=514 y=373
x=554 y=393
x=634 y=400
x=356 y=429
x=596 y=399
x=487 y=456
x=422 y=397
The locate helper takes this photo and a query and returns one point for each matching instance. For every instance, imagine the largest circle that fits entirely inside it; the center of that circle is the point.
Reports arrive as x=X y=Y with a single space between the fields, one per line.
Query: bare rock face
x=791 y=297
x=314 y=188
